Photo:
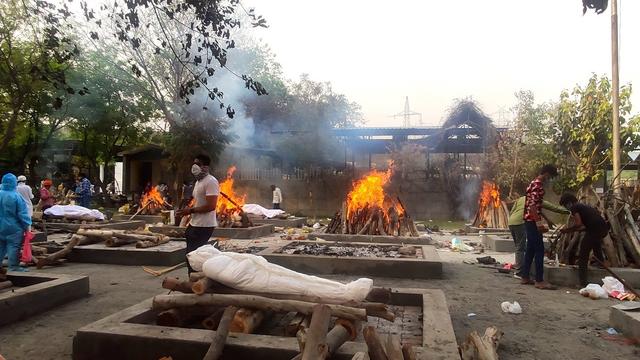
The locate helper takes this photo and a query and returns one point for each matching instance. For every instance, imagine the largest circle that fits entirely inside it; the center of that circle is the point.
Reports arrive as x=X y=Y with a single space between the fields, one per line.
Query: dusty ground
x=555 y=324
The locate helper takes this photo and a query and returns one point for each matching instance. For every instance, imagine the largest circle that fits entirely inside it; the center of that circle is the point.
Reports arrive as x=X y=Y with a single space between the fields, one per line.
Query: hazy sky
x=378 y=52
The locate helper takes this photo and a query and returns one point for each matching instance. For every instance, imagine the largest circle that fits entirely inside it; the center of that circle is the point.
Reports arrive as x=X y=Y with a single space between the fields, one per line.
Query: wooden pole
x=615 y=99
x=220 y=337
x=163 y=302
x=316 y=345
x=394 y=348
x=374 y=344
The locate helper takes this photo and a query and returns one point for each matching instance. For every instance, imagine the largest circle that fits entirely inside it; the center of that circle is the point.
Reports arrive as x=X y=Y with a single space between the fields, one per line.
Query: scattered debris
x=487 y=260
x=381 y=251
x=511 y=308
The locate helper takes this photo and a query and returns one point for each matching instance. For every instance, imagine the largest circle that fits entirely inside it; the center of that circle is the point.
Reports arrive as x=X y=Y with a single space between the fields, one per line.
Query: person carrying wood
x=518 y=231
x=203 y=213
x=589 y=220
x=535 y=227
x=14 y=221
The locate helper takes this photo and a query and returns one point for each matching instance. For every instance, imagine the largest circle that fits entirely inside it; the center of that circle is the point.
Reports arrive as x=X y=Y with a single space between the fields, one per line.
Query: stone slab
x=498 y=243
x=36 y=293
x=427 y=267
x=626 y=322
x=252 y=232
x=114 y=225
x=568 y=275
x=131 y=334
x=148 y=219
x=286 y=223
x=377 y=239
x=171 y=253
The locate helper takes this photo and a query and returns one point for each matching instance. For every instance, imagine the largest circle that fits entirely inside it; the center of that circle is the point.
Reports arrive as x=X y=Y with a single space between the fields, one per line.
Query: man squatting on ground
x=203 y=213
x=518 y=231
x=534 y=227
x=589 y=220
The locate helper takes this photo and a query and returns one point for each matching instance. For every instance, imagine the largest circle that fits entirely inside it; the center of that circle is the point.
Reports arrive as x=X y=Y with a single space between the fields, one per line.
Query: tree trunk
x=316 y=345
x=220 y=337
x=162 y=302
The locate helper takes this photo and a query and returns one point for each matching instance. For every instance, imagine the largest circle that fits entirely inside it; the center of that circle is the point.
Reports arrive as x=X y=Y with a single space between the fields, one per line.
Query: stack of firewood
x=492 y=217
x=621 y=247
x=372 y=220
x=233 y=217
x=321 y=325
x=111 y=238
x=4 y=282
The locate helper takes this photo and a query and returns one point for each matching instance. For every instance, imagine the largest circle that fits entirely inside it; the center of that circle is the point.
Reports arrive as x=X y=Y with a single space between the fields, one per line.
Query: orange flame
x=226 y=187
x=369 y=192
x=152 y=196
x=489 y=196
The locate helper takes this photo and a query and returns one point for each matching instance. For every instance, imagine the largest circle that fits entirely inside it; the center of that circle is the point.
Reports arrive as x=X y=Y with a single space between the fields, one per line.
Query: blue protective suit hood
x=9 y=182
x=14 y=216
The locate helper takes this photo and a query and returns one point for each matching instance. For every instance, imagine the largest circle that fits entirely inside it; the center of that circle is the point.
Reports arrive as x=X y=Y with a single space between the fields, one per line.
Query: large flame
x=152 y=196
x=368 y=191
x=489 y=196
x=226 y=187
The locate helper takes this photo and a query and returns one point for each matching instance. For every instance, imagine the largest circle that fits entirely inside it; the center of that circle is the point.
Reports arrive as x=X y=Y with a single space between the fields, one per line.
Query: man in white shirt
x=203 y=213
x=277 y=196
x=27 y=194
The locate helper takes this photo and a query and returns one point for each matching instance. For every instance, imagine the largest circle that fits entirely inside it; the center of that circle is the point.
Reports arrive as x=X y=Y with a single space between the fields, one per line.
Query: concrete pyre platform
x=171 y=253
x=286 y=223
x=568 y=275
x=625 y=321
x=251 y=232
x=132 y=334
x=499 y=243
x=34 y=293
x=425 y=264
x=113 y=225
x=378 y=239
x=148 y=219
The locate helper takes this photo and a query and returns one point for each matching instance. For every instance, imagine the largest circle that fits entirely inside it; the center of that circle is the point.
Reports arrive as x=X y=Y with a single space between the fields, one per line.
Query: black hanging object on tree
x=598 y=5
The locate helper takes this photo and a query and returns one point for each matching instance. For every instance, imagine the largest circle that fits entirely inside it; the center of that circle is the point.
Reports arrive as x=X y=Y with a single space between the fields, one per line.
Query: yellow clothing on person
x=516 y=217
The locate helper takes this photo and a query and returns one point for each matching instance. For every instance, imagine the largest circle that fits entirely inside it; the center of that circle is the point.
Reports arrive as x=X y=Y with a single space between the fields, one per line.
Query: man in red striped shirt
x=535 y=227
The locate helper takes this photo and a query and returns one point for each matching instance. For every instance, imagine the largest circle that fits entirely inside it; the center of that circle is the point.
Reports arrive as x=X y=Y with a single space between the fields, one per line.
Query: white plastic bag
x=611 y=284
x=253 y=273
x=594 y=291
x=513 y=308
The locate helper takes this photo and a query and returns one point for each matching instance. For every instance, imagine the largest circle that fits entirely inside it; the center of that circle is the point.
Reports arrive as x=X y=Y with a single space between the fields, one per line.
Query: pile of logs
x=492 y=217
x=320 y=325
x=621 y=247
x=4 y=282
x=111 y=238
x=372 y=220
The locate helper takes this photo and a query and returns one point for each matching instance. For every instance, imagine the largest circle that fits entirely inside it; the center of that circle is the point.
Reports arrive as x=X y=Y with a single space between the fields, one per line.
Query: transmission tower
x=407 y=114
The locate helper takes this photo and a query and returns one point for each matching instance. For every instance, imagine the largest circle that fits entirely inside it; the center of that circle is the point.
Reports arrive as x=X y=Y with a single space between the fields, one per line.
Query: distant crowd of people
x=17 y=207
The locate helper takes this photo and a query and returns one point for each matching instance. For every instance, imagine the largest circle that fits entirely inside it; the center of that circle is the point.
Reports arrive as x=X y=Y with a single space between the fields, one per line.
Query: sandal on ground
x=544 y=286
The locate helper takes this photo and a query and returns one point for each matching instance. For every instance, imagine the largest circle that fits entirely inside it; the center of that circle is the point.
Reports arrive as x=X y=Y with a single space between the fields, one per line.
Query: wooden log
x=301 y=334
x=212 y=321
x=179 y=317
x=163 y=302
x=143 y=244
x=246 y=321
x=115 y=242
x=380 y=295
x=374 y=344
x=174 y=284
x=610 y=251
x=220 y=337
x=201 y=286
x=628 y=244
x=195 y=276
x=482 y=348
x=345 y=230
x=38 y=250
x=360 y=356
x=408 y=352
x=617 y=232
x=97 y=233
x=316 y=345
x=338 y=335
x=5 y=284
x=366 y=226
x=53 y=258
x=393 y=347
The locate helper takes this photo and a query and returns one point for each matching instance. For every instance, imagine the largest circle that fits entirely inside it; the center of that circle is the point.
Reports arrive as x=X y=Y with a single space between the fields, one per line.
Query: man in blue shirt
x=84 y=191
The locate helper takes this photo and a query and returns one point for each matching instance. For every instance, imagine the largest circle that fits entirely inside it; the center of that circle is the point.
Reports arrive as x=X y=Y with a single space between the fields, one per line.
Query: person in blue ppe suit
x=14 y=221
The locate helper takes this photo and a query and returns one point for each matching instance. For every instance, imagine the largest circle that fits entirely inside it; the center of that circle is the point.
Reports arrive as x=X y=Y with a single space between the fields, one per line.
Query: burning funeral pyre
x=152 y=202
x=492 y=212
x=370 y=211
x=229 y=211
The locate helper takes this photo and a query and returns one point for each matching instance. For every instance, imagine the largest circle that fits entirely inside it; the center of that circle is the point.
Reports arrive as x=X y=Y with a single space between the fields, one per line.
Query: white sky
x=378 y=52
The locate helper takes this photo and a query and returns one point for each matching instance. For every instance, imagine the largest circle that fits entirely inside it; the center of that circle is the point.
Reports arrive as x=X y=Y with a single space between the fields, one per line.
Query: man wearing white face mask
x=203 y=213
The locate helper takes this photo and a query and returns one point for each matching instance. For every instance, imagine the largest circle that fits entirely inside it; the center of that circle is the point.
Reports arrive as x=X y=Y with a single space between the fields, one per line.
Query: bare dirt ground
x=556 y=324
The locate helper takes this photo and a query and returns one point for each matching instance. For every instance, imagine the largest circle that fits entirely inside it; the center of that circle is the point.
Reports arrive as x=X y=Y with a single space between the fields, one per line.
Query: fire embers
x=492 y=212
x=369 y=210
